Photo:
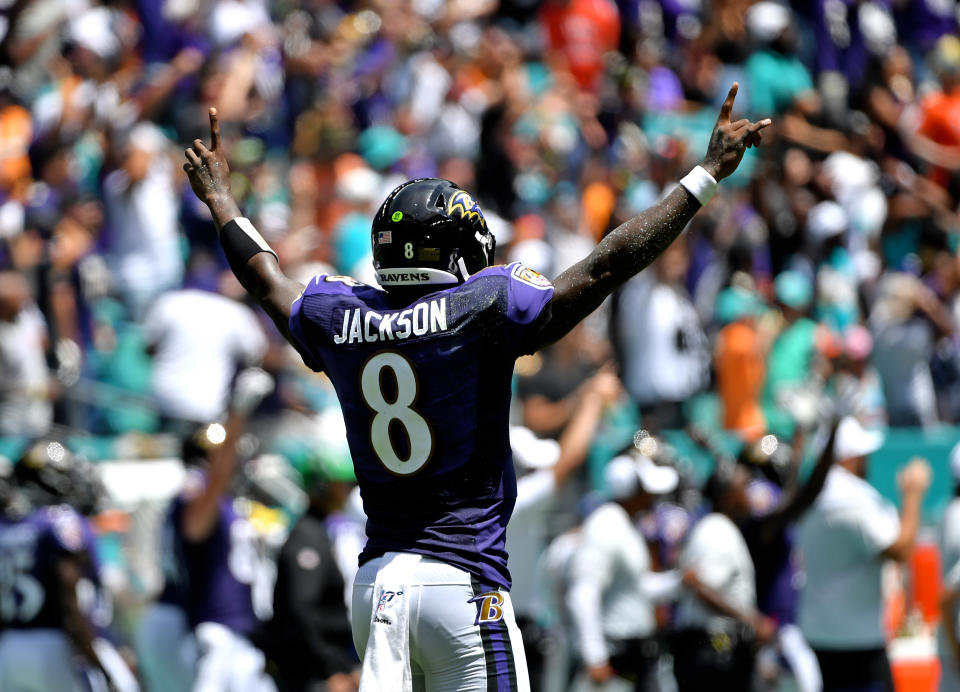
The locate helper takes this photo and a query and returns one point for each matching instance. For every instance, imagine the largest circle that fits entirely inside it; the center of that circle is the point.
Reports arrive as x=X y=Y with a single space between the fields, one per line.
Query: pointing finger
x=728 y=104
x=214 y=130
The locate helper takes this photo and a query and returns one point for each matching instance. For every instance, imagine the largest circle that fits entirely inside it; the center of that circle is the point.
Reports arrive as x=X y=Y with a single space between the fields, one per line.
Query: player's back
x=212 y=578
x=30 y=550
x=425 y=391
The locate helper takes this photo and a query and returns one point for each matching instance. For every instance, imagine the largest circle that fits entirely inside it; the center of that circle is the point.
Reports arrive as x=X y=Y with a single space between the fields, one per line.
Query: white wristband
x=700 y=184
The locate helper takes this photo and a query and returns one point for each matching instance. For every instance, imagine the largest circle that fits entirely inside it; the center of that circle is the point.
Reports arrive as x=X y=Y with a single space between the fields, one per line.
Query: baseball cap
x=626 y=474
x=826 y=220
x=767 y=20
x=530 y=452
x=853 y=440
x=793 y=289
x=735 y=303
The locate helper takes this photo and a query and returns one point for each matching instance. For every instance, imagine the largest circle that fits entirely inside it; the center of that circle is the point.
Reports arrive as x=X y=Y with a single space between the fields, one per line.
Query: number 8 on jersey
x=401 y=409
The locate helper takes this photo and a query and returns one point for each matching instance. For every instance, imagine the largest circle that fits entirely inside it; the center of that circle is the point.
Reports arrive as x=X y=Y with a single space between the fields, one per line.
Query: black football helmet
x=429 y=231
x=46 y=473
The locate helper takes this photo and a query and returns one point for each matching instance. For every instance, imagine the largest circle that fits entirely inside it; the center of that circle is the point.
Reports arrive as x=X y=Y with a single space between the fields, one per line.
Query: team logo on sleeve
x=531 y=277
x=463 y=205
x=489 y=607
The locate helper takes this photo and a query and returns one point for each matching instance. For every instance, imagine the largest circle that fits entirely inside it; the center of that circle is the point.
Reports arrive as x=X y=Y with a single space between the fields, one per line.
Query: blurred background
x=822 y=281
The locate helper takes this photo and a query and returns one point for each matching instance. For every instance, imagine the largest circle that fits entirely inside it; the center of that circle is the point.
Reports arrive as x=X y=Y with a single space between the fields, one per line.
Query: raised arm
x=793 y=508
x=629 y=248
x=251 y=259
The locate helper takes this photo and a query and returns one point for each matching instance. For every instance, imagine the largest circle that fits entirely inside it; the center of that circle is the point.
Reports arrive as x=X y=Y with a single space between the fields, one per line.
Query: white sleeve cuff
x=700 y=184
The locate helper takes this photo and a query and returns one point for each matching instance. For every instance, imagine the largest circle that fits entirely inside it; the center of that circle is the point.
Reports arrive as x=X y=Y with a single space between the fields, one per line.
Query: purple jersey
x=212 y=579
x=30 y=550
x=425 y=393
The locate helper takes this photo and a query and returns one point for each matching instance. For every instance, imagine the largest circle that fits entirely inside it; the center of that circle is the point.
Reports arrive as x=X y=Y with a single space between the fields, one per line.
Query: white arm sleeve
x=590 y=572
x=661 y=587
x=583 y=602
x=534 y=490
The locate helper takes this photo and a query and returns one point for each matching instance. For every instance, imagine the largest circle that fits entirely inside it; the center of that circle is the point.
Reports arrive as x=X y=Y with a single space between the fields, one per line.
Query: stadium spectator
x=856 y=385
x=141 y=211
x=792 y=360
x=613 y=587
x=906 y=321
x=739 y=358
x=660 y=340
x=26 y=387
x=845 y=540
x=199 y=339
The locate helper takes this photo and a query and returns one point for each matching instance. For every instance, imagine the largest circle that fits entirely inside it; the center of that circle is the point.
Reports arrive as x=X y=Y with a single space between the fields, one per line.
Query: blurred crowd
x=820 y=284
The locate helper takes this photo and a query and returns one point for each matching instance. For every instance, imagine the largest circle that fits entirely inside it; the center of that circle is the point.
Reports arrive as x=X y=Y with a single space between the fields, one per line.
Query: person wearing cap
x=777 y=77
x=937 y=138
x=856 y=383
x=612 y=586
x=543 y=468
x=845 y=539
x=792 y=357
x=947 y=641
x=739 y=361
x=718 y=624
x=307 y=640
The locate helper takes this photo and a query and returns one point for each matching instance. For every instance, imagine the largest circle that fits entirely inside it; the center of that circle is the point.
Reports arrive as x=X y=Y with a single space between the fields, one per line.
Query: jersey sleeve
x=67 y=530
x=303 y=319
x=528 y=306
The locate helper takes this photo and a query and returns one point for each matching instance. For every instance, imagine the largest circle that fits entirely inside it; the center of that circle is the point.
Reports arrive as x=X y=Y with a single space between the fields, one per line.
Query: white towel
x=386 y=662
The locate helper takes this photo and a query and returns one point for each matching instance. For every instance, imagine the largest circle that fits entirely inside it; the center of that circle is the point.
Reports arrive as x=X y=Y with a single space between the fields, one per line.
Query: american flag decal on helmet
x=384 y=237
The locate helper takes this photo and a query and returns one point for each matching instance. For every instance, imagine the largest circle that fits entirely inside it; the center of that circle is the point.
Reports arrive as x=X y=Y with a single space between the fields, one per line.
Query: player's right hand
x=207 y=169
x=730 y=140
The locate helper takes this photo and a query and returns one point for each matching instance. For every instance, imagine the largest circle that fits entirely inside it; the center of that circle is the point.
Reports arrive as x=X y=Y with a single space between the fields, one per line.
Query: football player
x=422 y=366
x=214 y=561
x=196 y=635
x=44 y=555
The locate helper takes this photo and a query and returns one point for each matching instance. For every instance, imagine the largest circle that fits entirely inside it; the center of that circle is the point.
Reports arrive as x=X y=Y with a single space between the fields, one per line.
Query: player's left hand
x=207 y=169
x=730 y=140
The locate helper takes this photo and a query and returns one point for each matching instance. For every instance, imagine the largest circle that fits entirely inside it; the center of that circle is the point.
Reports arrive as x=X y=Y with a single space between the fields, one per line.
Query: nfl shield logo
x=384 y=237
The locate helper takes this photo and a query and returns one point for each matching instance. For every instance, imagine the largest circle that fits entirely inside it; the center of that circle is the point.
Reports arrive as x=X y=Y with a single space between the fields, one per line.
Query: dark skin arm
x=75 y=623
x=631 y=247
x=201 y=513
x=209 y=177
x=763 y=627
x=792 y=509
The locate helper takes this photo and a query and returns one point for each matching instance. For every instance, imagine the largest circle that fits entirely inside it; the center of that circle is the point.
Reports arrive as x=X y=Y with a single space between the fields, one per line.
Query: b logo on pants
x=489 y=607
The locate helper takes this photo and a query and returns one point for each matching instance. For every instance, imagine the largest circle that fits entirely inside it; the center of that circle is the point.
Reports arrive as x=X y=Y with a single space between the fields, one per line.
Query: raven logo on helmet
x=463 y=205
